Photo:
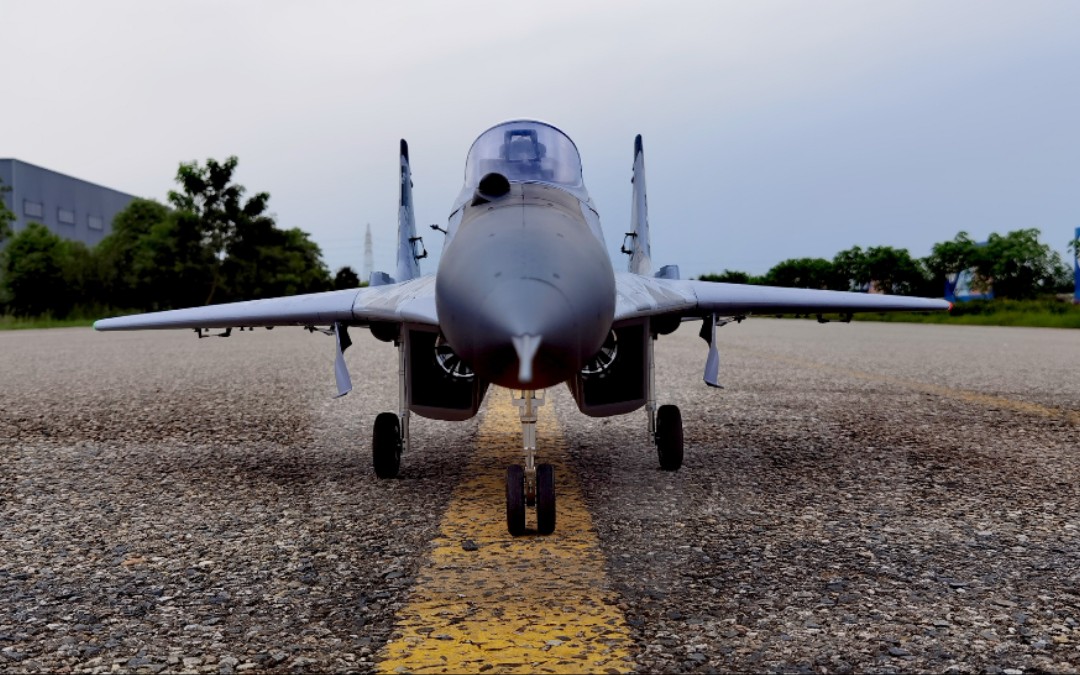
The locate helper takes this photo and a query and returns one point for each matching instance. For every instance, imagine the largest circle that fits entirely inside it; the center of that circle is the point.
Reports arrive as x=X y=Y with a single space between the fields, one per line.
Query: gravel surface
x=863 y=497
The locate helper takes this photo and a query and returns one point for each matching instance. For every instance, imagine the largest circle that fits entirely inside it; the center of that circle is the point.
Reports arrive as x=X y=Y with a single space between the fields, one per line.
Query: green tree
x=733 y=277
x=894 y=271
x=212 y=246
x=346 y=278
x=949 y=258
x=805 y=273
x=212 y=207
x=127 y=275
x=290 y=263
x=232 y=244
x=1019 y=265
x=80 y=273
x=883 y=268
x=1015 y=265
x=853 y=267
x=32 y=273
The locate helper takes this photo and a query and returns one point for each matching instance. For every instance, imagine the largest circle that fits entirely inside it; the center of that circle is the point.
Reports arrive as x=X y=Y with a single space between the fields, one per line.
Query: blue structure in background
x=961 y=287
x=1076 y=267
x=71 y=207
x=964 y=286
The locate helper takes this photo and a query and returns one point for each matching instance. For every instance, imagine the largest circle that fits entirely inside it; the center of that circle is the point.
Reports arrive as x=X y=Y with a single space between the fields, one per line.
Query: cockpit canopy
x=525 y=151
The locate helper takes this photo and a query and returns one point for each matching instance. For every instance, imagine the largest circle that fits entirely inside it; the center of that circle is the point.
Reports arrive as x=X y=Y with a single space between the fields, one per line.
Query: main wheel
x=669 y=438
x=545 y=499
x=386 y=445
x=515 y=500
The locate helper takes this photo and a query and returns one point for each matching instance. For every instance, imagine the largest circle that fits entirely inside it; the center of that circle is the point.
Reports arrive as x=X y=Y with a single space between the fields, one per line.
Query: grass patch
x=1043 y=313
x=80 y=316
x=8 y=322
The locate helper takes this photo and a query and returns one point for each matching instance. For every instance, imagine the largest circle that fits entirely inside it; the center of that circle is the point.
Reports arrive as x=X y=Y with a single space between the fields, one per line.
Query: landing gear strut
x=391 y=434
x=665 y=423
x=533 y=484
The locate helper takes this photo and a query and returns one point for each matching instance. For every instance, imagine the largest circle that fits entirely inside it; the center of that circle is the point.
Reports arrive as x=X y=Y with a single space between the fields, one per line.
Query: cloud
x=772 y=129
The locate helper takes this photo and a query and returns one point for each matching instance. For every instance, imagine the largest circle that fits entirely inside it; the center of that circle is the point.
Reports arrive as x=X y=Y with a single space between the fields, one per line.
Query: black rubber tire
x=669 y=437
x=545 y=499
x=386 y=445
x=515 y=500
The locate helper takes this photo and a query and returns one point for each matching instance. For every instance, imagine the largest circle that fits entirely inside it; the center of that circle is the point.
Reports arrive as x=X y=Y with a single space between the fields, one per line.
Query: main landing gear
x=390 y=438
x=665 y=423
x=669 y=437
x=534 y=484
x=386 y=445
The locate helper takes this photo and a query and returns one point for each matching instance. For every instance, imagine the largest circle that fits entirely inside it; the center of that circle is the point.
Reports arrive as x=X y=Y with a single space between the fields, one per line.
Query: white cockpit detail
x=525 y=151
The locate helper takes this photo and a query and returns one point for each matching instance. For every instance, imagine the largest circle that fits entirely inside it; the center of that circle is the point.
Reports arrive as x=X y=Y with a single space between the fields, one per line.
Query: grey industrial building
x=71 y=207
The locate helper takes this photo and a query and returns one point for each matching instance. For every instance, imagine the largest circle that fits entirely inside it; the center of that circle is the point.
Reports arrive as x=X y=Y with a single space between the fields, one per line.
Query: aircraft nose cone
x=525 y=293
x=524 y=336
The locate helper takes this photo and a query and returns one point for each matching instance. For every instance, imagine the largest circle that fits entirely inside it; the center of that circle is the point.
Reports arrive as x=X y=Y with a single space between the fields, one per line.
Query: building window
x=66 y=216
x=95 y=223
x=33 y=209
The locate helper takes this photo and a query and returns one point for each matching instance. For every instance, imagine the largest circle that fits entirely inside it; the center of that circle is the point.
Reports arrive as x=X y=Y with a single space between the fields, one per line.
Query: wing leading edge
x=712 y=301
x=645 y=296
x=412 y=301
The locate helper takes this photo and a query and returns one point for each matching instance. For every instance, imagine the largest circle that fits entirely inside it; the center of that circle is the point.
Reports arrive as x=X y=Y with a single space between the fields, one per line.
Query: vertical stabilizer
x=636 y=244
x=410 y=248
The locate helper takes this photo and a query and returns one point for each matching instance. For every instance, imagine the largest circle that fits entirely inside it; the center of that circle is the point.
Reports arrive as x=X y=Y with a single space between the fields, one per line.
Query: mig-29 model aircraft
x=525 y=297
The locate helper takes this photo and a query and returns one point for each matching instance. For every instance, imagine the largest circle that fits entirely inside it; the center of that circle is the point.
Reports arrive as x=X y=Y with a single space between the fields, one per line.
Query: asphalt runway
x=860 y=497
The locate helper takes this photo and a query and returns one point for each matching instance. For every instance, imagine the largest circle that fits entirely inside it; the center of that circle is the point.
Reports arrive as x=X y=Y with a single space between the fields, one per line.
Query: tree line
x=210 y=244
x=1015 y=265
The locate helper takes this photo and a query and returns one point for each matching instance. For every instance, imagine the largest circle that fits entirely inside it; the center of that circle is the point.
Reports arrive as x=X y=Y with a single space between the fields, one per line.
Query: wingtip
x=638 y=146
x=404 y=149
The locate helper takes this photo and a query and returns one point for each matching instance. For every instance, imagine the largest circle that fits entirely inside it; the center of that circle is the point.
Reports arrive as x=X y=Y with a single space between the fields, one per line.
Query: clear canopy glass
x=524 y=151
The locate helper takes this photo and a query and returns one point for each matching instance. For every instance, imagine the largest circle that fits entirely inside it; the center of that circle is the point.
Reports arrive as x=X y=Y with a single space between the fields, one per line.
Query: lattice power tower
x=369 y=255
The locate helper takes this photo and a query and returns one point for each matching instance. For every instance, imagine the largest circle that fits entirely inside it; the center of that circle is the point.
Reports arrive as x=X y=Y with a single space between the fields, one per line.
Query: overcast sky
x=772 y=129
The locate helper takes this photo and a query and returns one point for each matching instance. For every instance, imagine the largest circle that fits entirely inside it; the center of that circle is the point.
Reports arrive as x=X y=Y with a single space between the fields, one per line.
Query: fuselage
x=525 y=290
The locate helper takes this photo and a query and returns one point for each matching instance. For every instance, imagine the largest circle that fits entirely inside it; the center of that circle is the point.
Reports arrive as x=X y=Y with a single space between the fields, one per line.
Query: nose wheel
x=531 y=485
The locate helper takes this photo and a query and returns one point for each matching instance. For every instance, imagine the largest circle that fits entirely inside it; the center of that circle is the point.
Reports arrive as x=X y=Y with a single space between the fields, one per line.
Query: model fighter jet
x=525 y=297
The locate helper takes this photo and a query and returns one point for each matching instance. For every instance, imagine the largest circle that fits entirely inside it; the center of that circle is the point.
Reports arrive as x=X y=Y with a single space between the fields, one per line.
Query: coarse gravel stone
x=169 y=504
x=829 y=518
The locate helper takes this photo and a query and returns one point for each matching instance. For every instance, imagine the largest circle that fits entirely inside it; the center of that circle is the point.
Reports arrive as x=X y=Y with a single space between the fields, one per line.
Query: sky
x=772 y=130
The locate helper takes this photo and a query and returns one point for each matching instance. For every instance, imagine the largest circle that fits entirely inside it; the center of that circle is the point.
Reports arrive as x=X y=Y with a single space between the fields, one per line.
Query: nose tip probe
x=526 y=346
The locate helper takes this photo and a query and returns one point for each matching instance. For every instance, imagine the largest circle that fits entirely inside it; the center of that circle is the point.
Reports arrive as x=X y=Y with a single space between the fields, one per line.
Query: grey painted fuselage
x=525 y=266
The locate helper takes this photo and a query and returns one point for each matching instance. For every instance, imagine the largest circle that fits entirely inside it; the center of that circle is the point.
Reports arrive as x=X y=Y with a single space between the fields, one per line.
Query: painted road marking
x=514 y=605
x=988 y=400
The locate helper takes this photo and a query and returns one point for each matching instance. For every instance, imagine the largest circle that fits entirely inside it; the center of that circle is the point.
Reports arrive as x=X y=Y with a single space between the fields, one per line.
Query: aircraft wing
x=645 y=296
x=412 y=301
x=638 y=295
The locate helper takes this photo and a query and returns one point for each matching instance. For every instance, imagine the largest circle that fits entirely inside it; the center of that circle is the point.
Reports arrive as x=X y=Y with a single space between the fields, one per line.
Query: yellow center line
x=525 y=604
x=988 y=400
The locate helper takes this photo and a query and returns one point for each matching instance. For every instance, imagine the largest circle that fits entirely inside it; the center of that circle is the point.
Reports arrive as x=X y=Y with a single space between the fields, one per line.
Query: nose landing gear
x=532 y=485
